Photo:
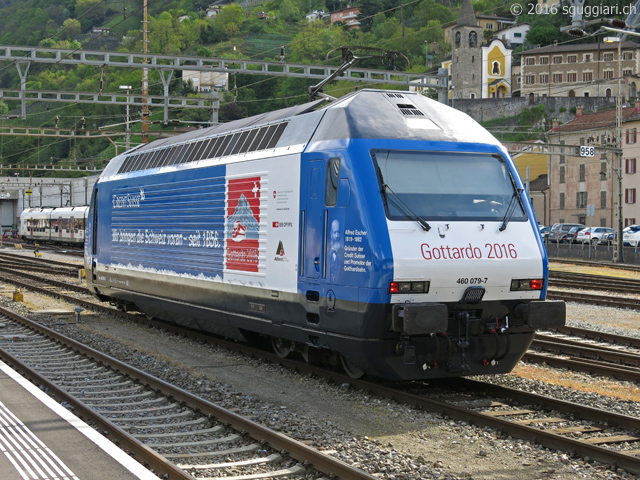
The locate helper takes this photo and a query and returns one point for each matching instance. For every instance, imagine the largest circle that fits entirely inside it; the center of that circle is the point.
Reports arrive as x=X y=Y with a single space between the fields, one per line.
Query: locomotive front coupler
x=499 y=325
x=463 y=324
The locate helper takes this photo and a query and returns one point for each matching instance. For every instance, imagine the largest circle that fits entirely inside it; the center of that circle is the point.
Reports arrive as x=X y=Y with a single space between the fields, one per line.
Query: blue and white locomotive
x=384 y=230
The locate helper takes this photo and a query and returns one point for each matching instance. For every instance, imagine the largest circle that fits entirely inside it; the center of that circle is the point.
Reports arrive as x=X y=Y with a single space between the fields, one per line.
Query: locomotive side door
x=313 y=227
x=321 y=252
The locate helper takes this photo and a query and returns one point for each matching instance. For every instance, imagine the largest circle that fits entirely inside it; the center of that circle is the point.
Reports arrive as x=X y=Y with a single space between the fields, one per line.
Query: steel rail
x=592 y=367
x=573 y=347
x=602 y=336
x=602 y=300
x=137 y=450
x=298 y=450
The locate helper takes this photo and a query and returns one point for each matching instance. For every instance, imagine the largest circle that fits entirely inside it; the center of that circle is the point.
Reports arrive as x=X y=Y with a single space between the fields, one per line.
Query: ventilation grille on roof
x=395 y=95
x=260 y=138
x=410 y=110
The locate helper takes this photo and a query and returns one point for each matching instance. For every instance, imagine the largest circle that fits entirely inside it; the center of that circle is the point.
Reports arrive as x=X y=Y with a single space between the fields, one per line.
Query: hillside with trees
x=184 y=27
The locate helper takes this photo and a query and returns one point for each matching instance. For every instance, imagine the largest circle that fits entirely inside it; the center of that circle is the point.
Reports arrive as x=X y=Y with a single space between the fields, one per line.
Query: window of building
x=572 y=77
x=603 y=170
x=530 y=61
x=557 y=59
x=529 y=79
x=629 y=221
x=631 y=135
x=627 y=72
x=627 y=55
x=544 y=60
x=572 y=59
x=608 y=74
x=587 y=76
x=587 y=57
x=581 y=199
x=629 y=195
x=517 y=35
x=603 y=199
x=489 y=26
x=557 y=78
x=544 y=78
x=608 y=57
x=562 y=202
x=583 y=172
x=630 y=166
x=562 y=180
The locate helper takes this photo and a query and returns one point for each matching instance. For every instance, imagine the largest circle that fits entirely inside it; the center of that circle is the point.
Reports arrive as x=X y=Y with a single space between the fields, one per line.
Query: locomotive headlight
x=409 y=287
x=527 y=284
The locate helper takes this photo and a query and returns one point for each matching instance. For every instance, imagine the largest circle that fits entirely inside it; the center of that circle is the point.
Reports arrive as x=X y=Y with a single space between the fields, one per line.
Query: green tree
x=543 y=35
x=313 y=43
x=90 y=13
x=430 y=10
x=288 y=11
x=231 y=13
x=71 y=28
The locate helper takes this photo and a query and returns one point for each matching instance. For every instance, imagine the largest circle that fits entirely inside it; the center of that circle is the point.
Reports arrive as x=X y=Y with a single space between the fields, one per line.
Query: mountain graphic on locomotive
x=407 y=247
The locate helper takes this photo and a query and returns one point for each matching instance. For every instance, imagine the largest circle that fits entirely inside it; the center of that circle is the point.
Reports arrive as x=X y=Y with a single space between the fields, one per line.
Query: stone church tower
x=466 y=55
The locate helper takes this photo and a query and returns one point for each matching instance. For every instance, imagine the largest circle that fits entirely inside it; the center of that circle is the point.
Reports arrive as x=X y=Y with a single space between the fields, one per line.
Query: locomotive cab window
x=447 y=186
x=331 y=182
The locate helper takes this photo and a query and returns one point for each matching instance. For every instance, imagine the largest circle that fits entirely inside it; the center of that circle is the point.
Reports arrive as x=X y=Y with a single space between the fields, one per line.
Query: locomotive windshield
x=447 y=186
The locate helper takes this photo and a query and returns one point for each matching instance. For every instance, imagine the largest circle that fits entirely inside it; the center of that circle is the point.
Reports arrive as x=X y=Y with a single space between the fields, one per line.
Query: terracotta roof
x=580 y=47
x=601 y=119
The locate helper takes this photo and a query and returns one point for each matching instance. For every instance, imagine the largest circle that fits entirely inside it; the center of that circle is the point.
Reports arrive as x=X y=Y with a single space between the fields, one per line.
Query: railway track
x=167 y=428
x=591 y=263
x=585 y=356
x=593 y=299
x=606 y=437
x=584 y=281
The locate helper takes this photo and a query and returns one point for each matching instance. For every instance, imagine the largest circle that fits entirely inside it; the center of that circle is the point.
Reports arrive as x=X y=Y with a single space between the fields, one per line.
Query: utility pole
x=145 y=76
x=127 y=88
x=618 y=239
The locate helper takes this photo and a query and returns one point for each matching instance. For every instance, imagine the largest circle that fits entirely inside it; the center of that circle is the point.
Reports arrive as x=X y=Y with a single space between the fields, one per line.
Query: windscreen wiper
x=405 y=208
x=511 y=208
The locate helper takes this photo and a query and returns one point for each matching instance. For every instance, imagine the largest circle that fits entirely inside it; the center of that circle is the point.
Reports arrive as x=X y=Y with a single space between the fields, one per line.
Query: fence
x=604 y=253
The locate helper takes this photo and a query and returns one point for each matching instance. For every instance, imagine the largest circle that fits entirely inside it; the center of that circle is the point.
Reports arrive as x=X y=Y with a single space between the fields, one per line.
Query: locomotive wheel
x=281 y=347
x=350 y=369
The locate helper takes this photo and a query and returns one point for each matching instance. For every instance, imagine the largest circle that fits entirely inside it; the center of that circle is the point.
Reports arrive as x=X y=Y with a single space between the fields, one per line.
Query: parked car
x=609 y=237
x=544 y=231
x=631 y=235
x=559 y=231
x=572 y=235
x=584 y=235
x=593 y=235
